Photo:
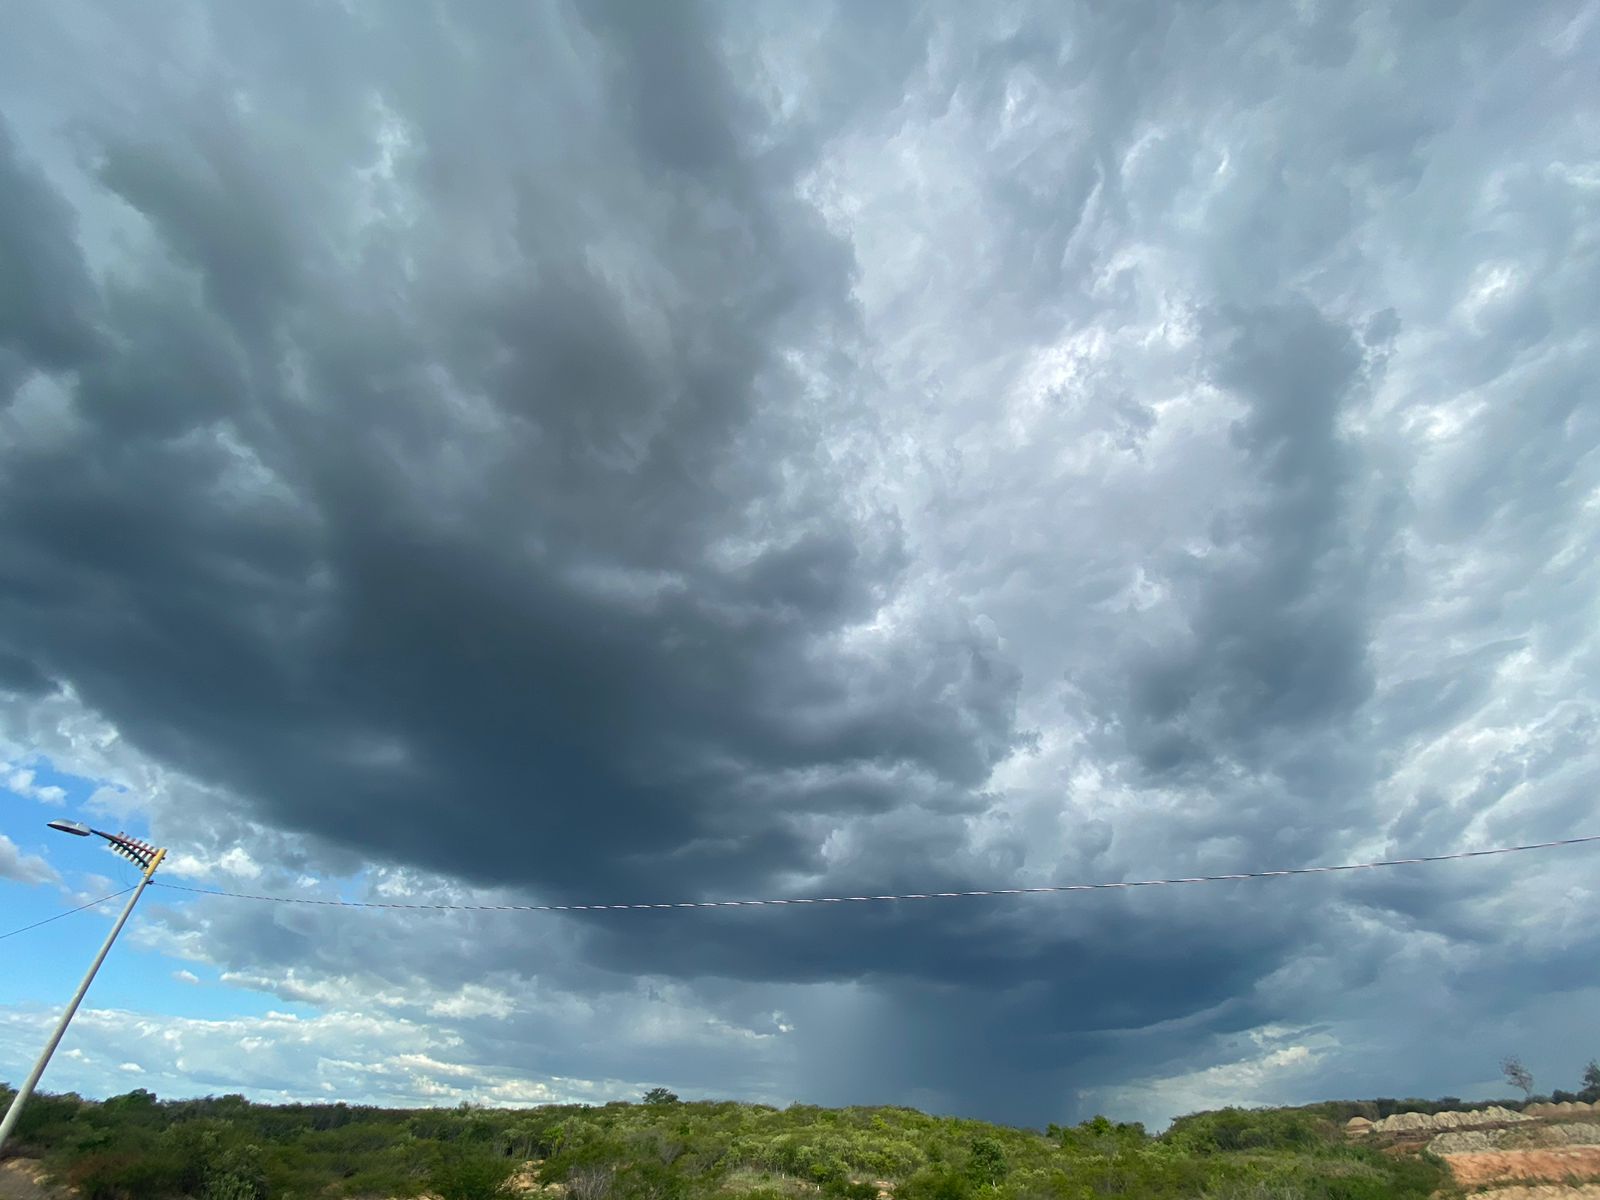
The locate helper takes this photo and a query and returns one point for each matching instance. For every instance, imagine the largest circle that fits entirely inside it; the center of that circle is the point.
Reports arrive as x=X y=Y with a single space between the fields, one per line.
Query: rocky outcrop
x=1518 y=1137
x=1357 y=1127
x=1424 y=1123
x=1560 y=1109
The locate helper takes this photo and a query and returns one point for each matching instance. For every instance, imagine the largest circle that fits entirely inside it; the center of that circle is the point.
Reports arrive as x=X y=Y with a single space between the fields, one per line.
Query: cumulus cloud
x=24 y=868
x=285 y=1057
x=1272 y=1057
x=740 y=455
x=23 y=781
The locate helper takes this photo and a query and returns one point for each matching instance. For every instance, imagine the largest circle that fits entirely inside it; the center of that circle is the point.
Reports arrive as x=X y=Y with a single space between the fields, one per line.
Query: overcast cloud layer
x=621 y=452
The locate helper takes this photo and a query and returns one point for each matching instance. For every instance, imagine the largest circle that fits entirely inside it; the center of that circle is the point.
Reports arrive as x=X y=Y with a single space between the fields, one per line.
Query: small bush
x=589 y=1183
x=468 y=1175
x=125 y=1176
x=938 y=1182
x=235 y=1174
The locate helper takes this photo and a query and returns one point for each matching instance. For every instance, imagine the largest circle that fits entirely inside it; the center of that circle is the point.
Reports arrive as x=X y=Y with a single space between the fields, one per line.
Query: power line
x=68 y=913
x=1009 y=891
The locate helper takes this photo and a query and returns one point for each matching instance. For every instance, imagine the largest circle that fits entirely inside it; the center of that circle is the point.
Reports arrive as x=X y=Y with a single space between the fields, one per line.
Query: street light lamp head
x=73 y=827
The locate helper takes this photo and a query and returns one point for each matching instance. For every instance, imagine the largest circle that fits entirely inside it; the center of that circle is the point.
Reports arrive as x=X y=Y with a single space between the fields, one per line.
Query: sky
x=614 y=452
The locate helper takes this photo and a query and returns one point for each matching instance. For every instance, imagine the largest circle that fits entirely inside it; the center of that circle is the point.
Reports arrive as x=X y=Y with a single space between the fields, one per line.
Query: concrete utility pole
x=147 y=858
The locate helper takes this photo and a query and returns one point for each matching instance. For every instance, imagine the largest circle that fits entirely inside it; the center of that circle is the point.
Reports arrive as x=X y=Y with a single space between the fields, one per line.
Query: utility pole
x=147 y=858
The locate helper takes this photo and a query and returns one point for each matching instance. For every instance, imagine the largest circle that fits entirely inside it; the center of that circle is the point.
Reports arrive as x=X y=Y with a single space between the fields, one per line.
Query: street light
x=147 y=858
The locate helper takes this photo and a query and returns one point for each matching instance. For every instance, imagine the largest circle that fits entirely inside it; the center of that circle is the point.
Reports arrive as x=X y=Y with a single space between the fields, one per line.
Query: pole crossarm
x=141 y=854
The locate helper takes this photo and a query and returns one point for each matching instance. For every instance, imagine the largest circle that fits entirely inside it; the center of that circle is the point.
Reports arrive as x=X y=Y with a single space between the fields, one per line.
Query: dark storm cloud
x=18 y=674
x=520 y=555
x=606 y=457
x=46 y=301
x=1276 y=637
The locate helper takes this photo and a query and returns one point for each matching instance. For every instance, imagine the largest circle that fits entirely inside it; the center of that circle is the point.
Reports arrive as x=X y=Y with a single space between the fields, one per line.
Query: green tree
x=139 y=1098
x=936 y=1182
x=986 y=1161
x=1591 y=1090
x=660 y=1095
x=236 y=1174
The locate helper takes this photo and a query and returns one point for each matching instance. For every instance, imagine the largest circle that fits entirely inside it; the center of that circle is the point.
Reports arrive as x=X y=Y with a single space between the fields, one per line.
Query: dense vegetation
x=135 y=1146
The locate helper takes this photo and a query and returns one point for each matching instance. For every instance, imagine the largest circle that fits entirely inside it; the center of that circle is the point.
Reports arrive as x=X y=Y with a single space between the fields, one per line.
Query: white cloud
x=24 y=782
x=236 y=861
x=362 y=1059
x=474 y=1000
x=1279 y=1068
x=24 y=868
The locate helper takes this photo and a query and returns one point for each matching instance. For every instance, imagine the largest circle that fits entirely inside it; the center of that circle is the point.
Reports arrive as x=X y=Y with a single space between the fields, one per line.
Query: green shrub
x=1250 y=1129
x=1099 y=1136
x=986 y=1161
x=126 y=1176
x=235 y=1173
x=461 y=1173
x=936 y=1182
